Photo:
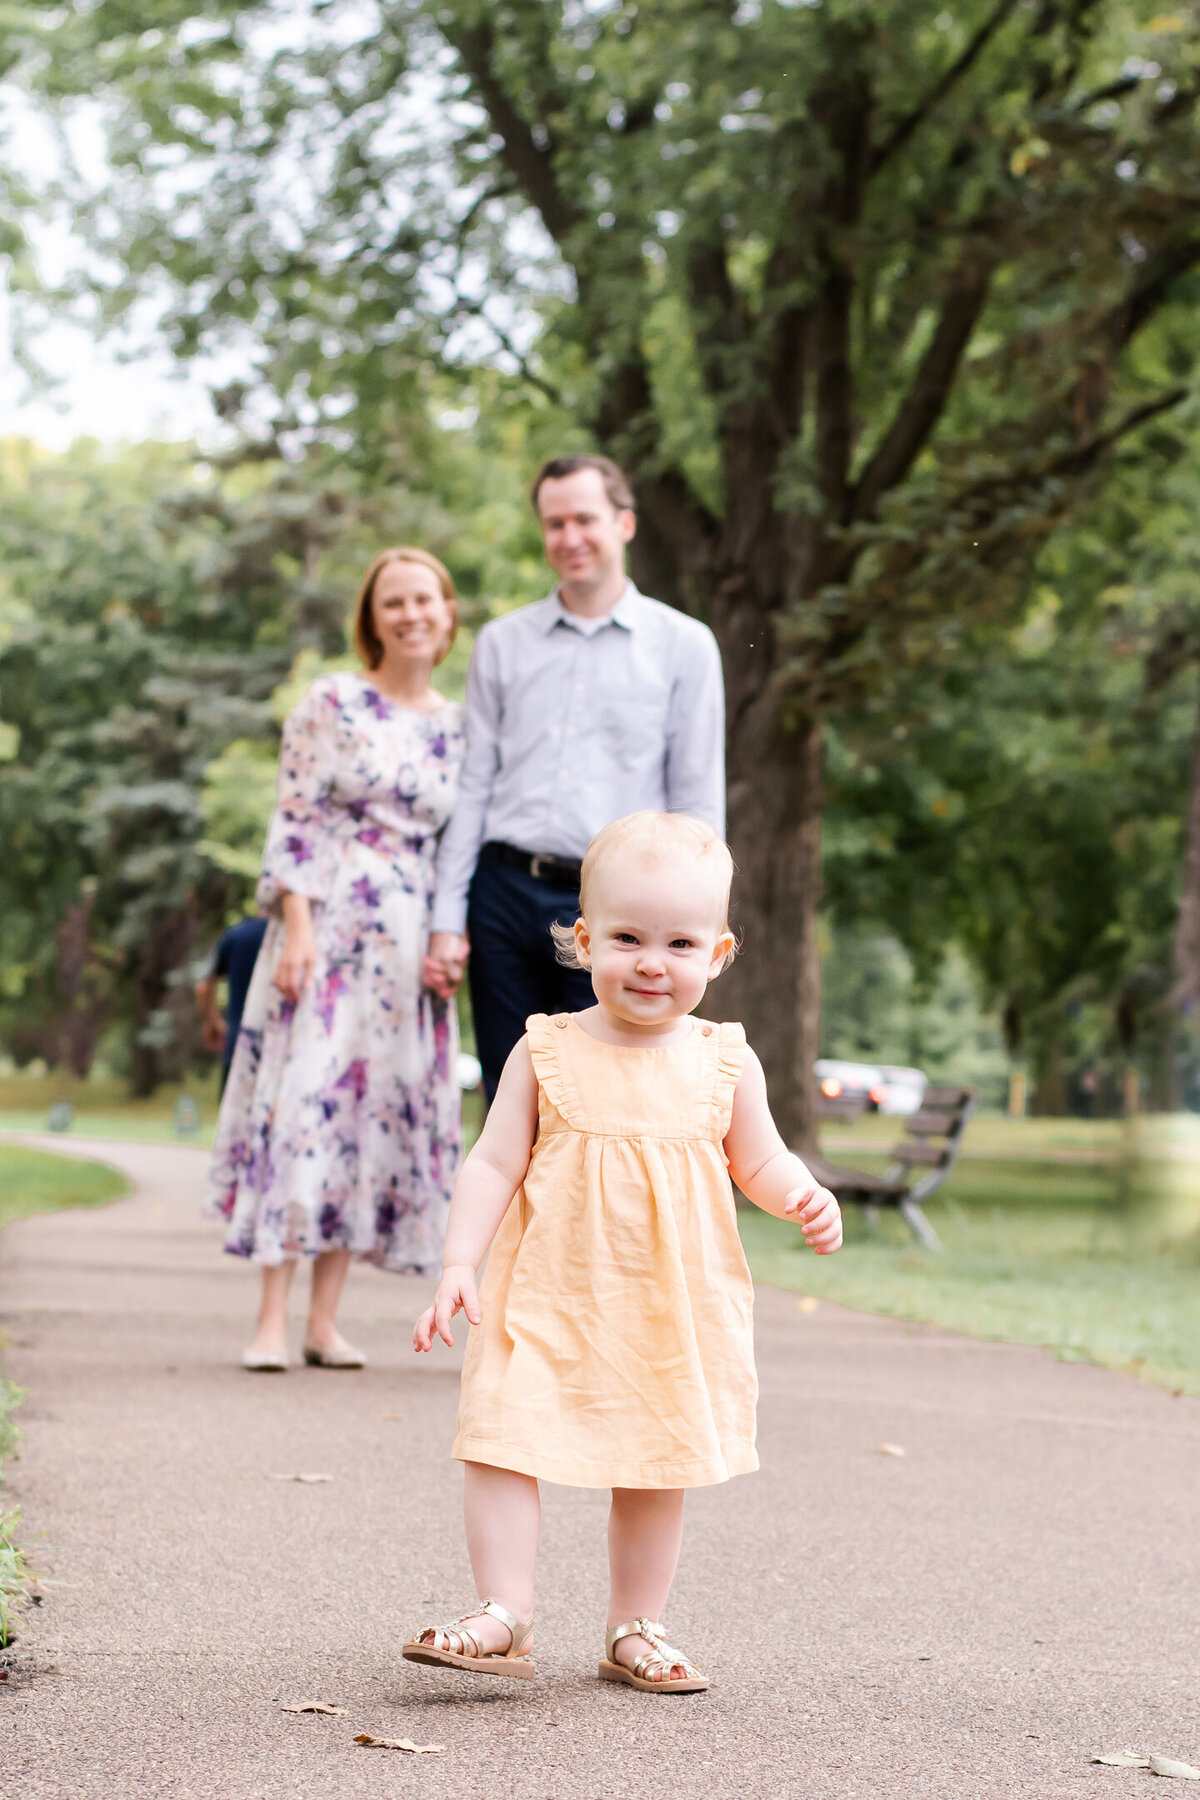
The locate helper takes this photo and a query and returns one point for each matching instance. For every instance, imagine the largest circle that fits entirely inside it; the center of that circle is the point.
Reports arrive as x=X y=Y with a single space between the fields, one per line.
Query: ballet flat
x=333 y=1359
x=264 y=1364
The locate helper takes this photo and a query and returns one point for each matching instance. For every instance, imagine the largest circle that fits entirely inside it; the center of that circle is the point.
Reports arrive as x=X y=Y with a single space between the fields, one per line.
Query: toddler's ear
x=723 y=951
x=583 y=944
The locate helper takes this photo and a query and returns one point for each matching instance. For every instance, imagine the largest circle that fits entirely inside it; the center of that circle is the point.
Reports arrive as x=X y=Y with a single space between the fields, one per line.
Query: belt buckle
x=535 y=866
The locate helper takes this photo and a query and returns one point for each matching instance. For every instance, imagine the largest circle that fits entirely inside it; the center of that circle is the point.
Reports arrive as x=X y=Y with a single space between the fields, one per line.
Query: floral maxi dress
x=340 y=1125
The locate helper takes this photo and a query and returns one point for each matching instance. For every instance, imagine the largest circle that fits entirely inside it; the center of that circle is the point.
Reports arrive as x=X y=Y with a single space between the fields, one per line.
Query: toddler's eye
x=681 y=944
x=624 y=937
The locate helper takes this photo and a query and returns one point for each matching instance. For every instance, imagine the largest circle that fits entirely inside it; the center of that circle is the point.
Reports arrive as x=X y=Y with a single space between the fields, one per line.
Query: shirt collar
x=624 y=613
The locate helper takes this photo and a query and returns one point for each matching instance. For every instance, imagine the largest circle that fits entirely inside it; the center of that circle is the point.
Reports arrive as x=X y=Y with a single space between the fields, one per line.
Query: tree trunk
x=774 y=986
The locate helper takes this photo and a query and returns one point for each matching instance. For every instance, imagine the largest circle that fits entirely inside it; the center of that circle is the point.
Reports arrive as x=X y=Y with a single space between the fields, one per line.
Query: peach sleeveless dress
x=616 y=1347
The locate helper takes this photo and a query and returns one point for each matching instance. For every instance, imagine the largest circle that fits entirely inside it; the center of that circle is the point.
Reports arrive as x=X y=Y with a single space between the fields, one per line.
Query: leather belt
x=556 y=871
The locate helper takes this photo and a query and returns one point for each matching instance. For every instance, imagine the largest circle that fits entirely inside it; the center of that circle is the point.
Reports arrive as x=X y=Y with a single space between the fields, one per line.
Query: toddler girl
x=612 y=1343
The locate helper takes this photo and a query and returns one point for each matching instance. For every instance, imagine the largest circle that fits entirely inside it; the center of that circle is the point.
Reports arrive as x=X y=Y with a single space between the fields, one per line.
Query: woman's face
x=411 y=615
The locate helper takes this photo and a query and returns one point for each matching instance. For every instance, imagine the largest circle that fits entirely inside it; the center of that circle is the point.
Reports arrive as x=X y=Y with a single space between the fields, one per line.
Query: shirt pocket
x=634 y=728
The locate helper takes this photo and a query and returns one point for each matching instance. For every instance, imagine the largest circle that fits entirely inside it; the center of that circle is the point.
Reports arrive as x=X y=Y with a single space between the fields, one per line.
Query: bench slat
x=934 y=1155
x=945 y=1096
x=932 y=1124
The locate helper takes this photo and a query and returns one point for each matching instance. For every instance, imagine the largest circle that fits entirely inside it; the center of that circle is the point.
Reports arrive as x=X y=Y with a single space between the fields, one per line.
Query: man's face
x=584 y=533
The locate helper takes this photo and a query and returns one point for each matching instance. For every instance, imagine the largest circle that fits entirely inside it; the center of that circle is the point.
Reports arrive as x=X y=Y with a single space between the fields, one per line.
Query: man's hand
x=820 y=1215
x=213 y=1031
x=445 y=962
x=456 y=1292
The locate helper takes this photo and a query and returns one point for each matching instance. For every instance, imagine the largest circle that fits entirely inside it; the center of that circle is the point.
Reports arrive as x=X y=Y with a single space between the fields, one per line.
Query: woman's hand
x=820 y=1215
x=456 y=1292
x=445 y=962
x=298 y=958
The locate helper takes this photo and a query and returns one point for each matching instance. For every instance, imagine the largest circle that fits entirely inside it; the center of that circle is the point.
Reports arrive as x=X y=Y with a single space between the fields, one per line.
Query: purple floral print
x=340 y=1125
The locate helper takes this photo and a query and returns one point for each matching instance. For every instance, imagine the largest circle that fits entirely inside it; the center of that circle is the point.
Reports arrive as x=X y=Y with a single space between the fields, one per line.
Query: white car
x=885 y=1087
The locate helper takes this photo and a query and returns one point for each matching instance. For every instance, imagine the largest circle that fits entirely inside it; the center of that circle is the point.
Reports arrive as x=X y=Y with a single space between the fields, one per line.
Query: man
x=233 y=959
x=591 y=704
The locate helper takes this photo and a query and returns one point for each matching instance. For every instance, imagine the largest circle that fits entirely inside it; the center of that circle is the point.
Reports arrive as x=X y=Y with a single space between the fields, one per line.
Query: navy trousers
x=513 y=970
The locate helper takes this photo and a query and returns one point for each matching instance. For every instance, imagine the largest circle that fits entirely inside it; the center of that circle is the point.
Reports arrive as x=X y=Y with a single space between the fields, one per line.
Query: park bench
x=932 y=1140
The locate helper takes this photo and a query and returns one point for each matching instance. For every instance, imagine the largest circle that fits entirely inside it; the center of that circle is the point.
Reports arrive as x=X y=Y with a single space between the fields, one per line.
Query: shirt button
x=561 y=1023
x=706 y=1031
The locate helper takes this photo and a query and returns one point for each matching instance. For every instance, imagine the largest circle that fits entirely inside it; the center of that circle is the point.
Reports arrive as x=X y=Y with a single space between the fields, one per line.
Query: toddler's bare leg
x=645 y=1531
x=328 y=1279
x=270 y=1339
x=503 y=1513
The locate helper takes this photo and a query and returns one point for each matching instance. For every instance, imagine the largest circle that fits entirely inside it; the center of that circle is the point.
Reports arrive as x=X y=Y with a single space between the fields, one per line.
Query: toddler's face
x=654 y=938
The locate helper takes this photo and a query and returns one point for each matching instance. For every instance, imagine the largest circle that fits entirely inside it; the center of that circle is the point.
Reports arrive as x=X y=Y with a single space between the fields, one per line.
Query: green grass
x=15 y=1574
x=33 y=1181
x=1036 y=1252
x=102 y=1107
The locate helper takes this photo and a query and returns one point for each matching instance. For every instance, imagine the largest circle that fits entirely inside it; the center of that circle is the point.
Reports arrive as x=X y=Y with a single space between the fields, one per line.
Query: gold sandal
x=452 y=1647
x=661 y=1657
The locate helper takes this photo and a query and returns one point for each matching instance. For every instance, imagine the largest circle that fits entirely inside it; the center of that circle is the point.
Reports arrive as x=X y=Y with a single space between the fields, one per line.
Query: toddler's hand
x=820 y=1215
x=456 y=1292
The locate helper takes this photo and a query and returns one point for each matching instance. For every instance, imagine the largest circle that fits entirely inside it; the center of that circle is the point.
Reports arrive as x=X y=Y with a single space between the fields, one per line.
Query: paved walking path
x=972 y=1620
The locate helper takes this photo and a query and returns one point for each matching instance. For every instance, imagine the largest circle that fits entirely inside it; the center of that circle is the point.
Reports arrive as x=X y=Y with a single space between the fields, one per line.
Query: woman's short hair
x=366 y=638
x=616 y=484
x=651 y=835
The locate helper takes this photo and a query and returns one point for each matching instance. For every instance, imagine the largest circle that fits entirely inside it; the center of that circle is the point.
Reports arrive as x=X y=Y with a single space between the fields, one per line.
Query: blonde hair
x=649 y=834
x=366 y=638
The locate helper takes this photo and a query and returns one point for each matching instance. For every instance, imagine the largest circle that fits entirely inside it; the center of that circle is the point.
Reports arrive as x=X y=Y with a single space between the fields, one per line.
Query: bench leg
x=870 y=1213
x=920 y=1224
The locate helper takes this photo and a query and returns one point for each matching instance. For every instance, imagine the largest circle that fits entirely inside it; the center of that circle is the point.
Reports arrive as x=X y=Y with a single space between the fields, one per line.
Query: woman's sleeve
x=301 y=850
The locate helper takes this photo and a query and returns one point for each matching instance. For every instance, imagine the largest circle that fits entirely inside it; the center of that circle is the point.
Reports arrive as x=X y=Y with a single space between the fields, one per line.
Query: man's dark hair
x=615 y=485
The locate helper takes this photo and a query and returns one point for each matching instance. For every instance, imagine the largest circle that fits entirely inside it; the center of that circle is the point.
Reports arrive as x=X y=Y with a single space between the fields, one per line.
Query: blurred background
x=891 y=313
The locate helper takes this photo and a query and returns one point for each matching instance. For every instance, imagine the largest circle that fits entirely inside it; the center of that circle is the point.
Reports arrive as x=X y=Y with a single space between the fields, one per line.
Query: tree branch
x=532 y=164
x=926 y=399
x=1150 y=289
x=961 y=66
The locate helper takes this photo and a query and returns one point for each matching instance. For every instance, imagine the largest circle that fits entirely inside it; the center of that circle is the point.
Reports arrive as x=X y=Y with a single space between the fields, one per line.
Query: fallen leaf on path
x=1165 y=1765
x=891 y=1450
x=808 y=1303
x=321 y=1706
x=1123 y=1759
x=398 y=1416
x=373 y=1743
x=308 y=1478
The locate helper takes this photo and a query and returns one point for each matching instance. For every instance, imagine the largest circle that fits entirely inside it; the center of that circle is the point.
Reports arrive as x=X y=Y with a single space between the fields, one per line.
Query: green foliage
x=864 y=296
x=874 y=1010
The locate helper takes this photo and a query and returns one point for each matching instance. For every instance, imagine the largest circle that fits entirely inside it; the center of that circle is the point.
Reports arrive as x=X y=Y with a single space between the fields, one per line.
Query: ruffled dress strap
x=731 y=1060
x=545 y=1033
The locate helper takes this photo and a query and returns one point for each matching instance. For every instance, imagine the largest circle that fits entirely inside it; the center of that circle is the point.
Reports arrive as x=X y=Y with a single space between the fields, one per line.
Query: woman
x=339 y=1132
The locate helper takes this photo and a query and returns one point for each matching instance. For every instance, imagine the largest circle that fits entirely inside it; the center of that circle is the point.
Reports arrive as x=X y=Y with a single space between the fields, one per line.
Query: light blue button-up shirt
x=574 y=722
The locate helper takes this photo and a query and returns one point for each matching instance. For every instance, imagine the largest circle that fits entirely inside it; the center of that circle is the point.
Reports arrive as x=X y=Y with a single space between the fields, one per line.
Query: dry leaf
x=1123 y=1759
x=890 y=1450
x=1164 y=1765
x=321 y=1706
x=398 y=1416
x=374 y=1743
x=308 y=1478
x=808 y=1303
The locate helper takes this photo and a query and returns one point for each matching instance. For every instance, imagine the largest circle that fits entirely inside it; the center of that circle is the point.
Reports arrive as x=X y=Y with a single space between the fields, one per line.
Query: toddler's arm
x=483 y=1192
x=767 y=1171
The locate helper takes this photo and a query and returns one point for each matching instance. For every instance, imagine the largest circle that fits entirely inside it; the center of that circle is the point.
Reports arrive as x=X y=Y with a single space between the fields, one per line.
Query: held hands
x=456 y=1292
x=445 y=962
x=820 y=1216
